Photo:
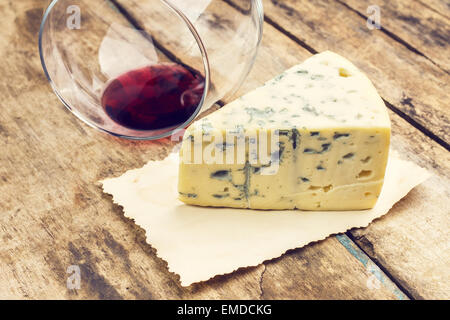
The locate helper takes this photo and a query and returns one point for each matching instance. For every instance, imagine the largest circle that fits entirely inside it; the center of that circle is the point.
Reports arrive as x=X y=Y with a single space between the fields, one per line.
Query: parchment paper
x=199 y=243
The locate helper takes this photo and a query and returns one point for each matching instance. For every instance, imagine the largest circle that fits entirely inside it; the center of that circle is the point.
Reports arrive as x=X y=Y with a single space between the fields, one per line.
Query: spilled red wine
x=154 y=97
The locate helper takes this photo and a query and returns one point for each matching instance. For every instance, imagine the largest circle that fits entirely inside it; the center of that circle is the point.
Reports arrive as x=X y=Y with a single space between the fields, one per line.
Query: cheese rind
x=334 y=134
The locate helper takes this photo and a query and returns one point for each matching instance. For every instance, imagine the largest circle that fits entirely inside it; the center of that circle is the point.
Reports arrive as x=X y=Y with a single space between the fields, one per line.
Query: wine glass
x=141 y=69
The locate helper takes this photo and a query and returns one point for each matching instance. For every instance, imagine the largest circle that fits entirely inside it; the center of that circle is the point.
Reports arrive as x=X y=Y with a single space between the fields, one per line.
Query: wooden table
x=53 y=214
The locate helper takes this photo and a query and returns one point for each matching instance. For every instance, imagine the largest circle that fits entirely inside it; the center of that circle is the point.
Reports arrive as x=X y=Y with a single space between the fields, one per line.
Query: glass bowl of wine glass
x=141 y=69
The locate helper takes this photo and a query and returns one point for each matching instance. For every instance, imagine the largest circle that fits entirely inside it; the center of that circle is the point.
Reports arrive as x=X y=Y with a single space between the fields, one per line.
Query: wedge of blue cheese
x=333 y=134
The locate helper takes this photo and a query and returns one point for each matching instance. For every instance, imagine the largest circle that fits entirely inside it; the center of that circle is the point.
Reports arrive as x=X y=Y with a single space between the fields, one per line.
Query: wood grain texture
x=408 y=81
x=413 y=261
x=412 y=243
x=54 y=215
x=262 y=72
x=415 y=25
x=441 y=7
x=330 y=261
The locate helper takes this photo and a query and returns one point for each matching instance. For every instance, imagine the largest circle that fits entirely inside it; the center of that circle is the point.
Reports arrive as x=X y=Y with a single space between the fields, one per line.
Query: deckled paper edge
x=424 y=175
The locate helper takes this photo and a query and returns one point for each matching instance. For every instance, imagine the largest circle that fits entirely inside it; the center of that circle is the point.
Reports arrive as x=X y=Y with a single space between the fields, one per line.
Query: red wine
x=155 y=97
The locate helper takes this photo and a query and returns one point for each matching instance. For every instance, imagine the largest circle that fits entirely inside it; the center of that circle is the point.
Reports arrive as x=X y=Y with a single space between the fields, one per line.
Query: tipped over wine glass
x=141 y=69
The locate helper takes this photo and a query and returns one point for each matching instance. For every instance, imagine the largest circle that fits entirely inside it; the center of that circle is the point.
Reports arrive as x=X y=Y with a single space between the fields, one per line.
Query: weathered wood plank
x=406 y=261
x=413 y=24
x=412 y=145
x=408 y=81
x=45 y=200
x=416 y=217
x=54 y=216
x=441 y=7
x=412 y=243
x=294 y=268
x=263 y=72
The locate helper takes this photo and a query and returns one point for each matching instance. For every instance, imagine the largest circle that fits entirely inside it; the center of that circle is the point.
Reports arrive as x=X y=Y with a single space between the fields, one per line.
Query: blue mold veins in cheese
x=333 y=134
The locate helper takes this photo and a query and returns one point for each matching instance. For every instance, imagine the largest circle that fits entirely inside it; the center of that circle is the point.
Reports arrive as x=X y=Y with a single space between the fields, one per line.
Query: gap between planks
x=136 y=25
x=394 y=37
x=432 y=9
x=377 y=270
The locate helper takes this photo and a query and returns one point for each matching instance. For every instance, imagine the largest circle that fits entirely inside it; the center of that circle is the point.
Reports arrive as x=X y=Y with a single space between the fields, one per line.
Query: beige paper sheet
x=199 y=243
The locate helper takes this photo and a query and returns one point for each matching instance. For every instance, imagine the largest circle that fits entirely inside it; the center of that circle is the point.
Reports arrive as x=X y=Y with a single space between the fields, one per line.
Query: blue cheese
x=333 y=134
